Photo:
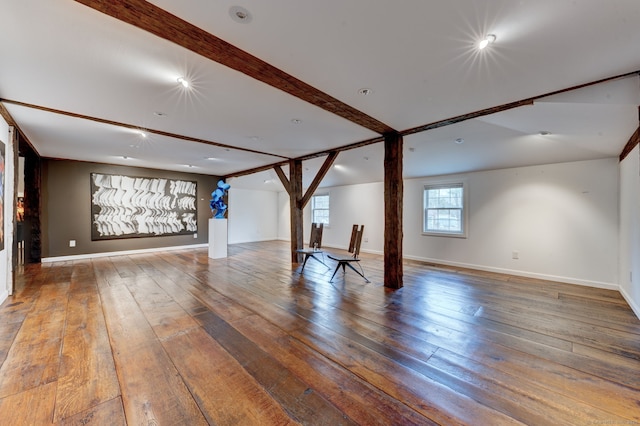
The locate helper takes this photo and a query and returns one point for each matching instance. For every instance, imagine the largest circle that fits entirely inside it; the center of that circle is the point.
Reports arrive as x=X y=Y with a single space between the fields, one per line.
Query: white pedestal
x=217 y=238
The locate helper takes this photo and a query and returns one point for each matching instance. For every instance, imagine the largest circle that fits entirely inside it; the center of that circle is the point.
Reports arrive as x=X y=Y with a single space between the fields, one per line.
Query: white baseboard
x=3 y=296
x=634 y=307
x=119 y=253
x=557 y=278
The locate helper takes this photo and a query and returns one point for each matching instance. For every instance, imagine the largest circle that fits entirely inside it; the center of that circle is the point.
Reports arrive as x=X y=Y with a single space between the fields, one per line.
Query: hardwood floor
x=176 y=338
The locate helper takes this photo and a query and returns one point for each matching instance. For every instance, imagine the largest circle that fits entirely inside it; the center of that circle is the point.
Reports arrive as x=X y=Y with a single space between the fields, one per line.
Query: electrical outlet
x=365 y=239
x=72 y=243
x=195 y=235
x=515 y=255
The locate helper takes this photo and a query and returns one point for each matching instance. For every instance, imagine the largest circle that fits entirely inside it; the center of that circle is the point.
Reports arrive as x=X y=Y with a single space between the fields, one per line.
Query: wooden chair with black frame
x=354 y=248
x=315 y=246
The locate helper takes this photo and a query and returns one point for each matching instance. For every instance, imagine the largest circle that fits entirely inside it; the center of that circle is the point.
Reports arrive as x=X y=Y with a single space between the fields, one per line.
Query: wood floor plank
x=165 y=316
x=249 y=339
x=152 y=389
x=33 y=359
x=301 y=402
x=33 y=406
x=225 y=391
x=363 y=403
x=87 y=372
x=444 y=406
x=107 y=413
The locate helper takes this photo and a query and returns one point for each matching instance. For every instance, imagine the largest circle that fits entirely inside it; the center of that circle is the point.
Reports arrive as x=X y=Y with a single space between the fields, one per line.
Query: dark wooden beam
x=295 y=206
x=507 y=106
x=393 y=196
x=131 y=126
x=150 y=18
x=283 y=178
x=459 y=118
x=633 y=141
x=328 y=162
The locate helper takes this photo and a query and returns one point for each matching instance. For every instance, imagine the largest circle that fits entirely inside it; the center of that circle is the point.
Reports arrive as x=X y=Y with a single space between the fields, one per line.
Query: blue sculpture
x=218 y=207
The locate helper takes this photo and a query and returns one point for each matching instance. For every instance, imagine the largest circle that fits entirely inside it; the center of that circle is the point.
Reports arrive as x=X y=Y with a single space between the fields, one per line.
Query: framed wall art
x=132 y=207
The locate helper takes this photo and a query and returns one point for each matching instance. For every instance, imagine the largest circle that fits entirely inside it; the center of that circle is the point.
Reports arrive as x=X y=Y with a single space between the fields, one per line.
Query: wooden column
x=293 y=185
x=295 y=203
x=393 y=195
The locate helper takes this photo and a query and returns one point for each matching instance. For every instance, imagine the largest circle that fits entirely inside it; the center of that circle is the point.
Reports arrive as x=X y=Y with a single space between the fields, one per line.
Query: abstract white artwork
x=129 y=207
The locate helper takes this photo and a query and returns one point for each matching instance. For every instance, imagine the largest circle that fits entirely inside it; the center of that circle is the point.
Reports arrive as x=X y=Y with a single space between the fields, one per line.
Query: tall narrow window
x=444 y=209
x=320 y=209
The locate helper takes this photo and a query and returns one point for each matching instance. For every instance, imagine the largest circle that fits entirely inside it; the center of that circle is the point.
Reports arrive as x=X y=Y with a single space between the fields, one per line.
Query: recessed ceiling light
x=124 y=157
x=459 y=141
x=365 y=91
x=296 y=121
x=240 y=14
x=210 y=158
x=142 y=134
x=184 y=82
x=490 y=38
x=544 y=132
x=159 y=114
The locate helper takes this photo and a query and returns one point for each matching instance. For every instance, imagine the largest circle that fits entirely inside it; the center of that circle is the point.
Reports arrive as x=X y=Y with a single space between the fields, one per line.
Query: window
x=444 y=209
x=320 y=209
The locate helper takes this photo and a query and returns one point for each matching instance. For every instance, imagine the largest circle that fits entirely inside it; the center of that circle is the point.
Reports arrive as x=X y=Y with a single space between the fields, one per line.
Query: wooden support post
x=295 y=203
x=393 y=195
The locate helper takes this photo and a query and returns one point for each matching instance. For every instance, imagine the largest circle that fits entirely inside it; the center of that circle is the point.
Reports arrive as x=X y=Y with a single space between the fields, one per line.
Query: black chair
x=354 y=247
x=315 y=245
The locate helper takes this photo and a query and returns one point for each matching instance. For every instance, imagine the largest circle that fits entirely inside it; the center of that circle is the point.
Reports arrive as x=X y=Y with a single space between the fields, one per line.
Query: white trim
x=3 y=296
x=119 y=253
x=635 y=308
x=465 y=206
x=566 y=280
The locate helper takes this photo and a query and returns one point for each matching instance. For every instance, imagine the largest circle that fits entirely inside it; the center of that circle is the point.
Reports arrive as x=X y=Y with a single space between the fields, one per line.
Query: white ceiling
x=419 y=58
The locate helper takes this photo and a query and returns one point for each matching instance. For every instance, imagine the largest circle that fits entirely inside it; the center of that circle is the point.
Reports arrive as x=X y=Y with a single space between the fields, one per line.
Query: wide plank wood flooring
x=176 y=338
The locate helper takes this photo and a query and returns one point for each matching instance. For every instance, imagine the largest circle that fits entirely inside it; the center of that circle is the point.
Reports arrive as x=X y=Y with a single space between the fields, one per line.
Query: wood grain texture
x=87 y=372
x=393 y=195
x=249 y=340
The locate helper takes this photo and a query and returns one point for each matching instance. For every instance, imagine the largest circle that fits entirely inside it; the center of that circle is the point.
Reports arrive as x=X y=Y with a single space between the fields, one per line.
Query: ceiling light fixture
x=296 y=121
x=459 y=141
x=159 y=114
x=490 y=38
x=365 y=91
x=544 y=133
x=184 y=82
x=240 y=15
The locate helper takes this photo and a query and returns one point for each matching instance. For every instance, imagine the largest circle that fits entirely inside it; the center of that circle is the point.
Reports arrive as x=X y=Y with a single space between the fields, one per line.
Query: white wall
x=252 y=215
x=284 y=217
x=355 y=204
x=5 y=258
x=630 y=229
x=562 y=219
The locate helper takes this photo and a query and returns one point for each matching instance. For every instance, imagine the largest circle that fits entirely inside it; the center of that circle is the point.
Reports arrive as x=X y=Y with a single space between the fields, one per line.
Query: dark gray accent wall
x=66 y=209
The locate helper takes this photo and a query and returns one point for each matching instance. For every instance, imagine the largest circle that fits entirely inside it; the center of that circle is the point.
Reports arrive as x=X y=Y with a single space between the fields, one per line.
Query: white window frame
x=464 y=216
x=313 y=208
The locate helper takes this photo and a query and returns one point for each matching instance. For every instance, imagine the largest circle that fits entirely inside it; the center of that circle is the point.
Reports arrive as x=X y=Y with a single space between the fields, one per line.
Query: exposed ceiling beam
x=328 y=162
x=150 y=18
x=134 y=127
x=507 y=106
x=633 y=141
